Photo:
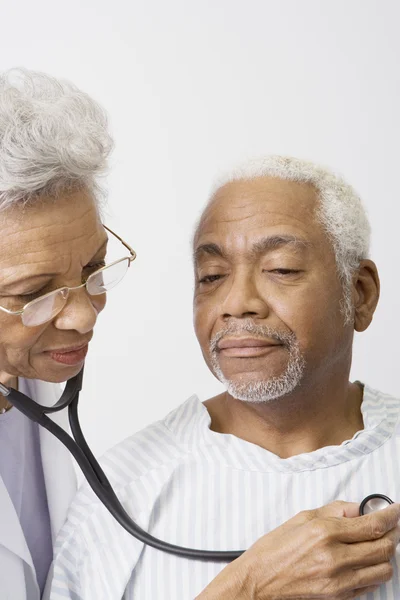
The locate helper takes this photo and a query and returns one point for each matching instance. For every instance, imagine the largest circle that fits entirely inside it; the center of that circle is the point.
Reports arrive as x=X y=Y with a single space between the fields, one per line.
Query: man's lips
x=246 y=347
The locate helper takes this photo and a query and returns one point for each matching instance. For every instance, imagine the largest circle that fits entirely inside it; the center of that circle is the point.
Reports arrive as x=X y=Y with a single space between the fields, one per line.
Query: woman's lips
x=70 y=357
x=246 y=347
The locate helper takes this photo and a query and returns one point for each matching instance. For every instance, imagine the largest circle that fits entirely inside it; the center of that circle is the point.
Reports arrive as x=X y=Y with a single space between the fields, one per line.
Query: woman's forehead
x=50 y=233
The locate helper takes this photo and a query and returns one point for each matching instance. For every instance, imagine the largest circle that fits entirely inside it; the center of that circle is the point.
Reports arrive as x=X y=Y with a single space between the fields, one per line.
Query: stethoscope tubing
x=96 y=477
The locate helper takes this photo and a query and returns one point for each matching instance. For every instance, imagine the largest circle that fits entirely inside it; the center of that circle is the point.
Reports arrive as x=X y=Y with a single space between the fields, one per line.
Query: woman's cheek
x=16 y=343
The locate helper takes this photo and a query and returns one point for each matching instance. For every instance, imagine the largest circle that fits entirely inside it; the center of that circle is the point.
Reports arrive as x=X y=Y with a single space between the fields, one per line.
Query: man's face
x=267 y=294
x=45 y=247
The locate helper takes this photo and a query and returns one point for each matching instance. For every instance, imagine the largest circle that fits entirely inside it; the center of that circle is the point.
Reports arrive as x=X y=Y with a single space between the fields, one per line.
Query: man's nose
x=243 y=298
x=80 y=312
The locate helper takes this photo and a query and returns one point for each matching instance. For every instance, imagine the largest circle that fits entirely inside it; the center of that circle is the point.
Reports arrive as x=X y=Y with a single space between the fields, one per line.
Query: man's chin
x=253 y=381
x=260 y=389
x=249 y=379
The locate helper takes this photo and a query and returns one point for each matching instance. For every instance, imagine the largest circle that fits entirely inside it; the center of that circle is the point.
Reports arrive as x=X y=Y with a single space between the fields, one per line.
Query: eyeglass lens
x=45 y=309
x=104 y=280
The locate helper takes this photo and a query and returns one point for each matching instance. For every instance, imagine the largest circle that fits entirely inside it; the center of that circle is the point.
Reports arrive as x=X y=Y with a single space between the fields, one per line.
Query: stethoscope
x=98 y=480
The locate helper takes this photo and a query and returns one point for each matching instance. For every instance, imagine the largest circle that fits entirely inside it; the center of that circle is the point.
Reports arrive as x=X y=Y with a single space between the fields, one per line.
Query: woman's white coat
x=17 y=573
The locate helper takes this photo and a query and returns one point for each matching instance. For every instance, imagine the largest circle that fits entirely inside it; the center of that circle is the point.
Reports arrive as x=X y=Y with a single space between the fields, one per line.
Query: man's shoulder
x=149 y=453
x=152 y=447
x=381 y=397
x=136 y=467
x=381 y=408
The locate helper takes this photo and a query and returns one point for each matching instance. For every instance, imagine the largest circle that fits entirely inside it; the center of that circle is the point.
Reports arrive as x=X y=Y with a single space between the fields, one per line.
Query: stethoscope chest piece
x=373 y=503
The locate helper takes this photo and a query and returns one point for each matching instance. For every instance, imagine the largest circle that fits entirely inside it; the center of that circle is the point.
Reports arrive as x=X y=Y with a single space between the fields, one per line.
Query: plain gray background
x=193 y=87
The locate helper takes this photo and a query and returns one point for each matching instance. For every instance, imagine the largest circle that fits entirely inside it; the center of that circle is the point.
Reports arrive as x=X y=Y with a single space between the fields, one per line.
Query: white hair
x=53 y=138
x=340 y=210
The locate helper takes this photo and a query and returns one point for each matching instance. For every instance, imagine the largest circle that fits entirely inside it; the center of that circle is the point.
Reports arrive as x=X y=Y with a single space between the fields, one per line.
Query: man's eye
x=209 y=278
x=284 y=271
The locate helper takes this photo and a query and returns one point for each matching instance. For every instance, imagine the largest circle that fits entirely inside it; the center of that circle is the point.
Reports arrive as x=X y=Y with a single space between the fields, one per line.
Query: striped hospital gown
x=191 y=486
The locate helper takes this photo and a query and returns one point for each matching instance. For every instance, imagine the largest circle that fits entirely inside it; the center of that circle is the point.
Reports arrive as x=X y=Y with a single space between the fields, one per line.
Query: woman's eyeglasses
x=46 y=307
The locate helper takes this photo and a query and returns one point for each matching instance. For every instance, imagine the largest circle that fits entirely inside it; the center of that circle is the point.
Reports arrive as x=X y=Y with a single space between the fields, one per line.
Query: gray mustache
x=248 y=326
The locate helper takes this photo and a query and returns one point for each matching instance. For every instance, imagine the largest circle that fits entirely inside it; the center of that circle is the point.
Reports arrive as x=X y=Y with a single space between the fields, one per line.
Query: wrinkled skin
x=325 y=554
x=329 y=552
x=238 y=280
x=44 y=247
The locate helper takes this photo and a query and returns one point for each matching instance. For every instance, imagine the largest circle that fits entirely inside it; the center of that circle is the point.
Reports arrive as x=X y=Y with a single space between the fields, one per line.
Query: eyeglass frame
x=131 y=258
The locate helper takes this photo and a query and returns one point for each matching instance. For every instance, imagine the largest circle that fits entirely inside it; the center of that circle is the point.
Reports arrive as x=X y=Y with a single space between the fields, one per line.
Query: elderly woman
x=54 y=144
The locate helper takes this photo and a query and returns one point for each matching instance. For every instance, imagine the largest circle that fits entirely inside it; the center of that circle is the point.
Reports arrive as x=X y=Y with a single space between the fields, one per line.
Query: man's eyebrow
x=277 y=241
x=260 y=247
x=209 y=249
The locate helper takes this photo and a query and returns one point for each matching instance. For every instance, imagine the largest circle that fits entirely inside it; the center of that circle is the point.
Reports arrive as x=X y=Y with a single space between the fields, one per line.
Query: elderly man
x=283 y=280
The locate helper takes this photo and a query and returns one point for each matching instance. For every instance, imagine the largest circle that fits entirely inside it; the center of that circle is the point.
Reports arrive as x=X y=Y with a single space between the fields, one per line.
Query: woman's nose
x=80 y=312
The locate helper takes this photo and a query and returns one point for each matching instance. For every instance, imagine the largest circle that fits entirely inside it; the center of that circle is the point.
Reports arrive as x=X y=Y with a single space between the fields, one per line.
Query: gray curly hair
x=53 y=138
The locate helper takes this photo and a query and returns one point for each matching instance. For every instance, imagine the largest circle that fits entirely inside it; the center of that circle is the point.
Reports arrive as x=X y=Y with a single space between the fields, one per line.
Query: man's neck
x=301 y=422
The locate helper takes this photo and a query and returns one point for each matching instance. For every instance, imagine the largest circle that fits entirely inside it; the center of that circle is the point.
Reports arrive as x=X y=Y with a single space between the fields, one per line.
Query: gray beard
x=263 y=390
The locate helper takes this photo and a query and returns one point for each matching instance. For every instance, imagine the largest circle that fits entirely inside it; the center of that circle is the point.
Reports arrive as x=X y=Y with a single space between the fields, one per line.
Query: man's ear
x=366 y=289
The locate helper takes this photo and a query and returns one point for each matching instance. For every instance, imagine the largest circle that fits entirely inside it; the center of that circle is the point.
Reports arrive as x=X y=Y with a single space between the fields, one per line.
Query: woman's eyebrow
x=26 y=279
x=40 y=276
x=104 y=244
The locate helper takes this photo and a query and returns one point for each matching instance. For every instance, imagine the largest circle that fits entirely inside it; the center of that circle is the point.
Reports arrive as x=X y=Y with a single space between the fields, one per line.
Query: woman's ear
x=366 y=288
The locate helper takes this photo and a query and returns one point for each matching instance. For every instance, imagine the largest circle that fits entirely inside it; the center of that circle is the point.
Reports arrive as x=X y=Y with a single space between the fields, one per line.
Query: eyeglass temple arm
x=11 y=312
x=127 y=246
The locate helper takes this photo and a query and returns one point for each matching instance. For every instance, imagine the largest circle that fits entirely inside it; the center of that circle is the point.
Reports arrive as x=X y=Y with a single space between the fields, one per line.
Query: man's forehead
x=300 y=196
x=266 y=185
x=266 y=198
